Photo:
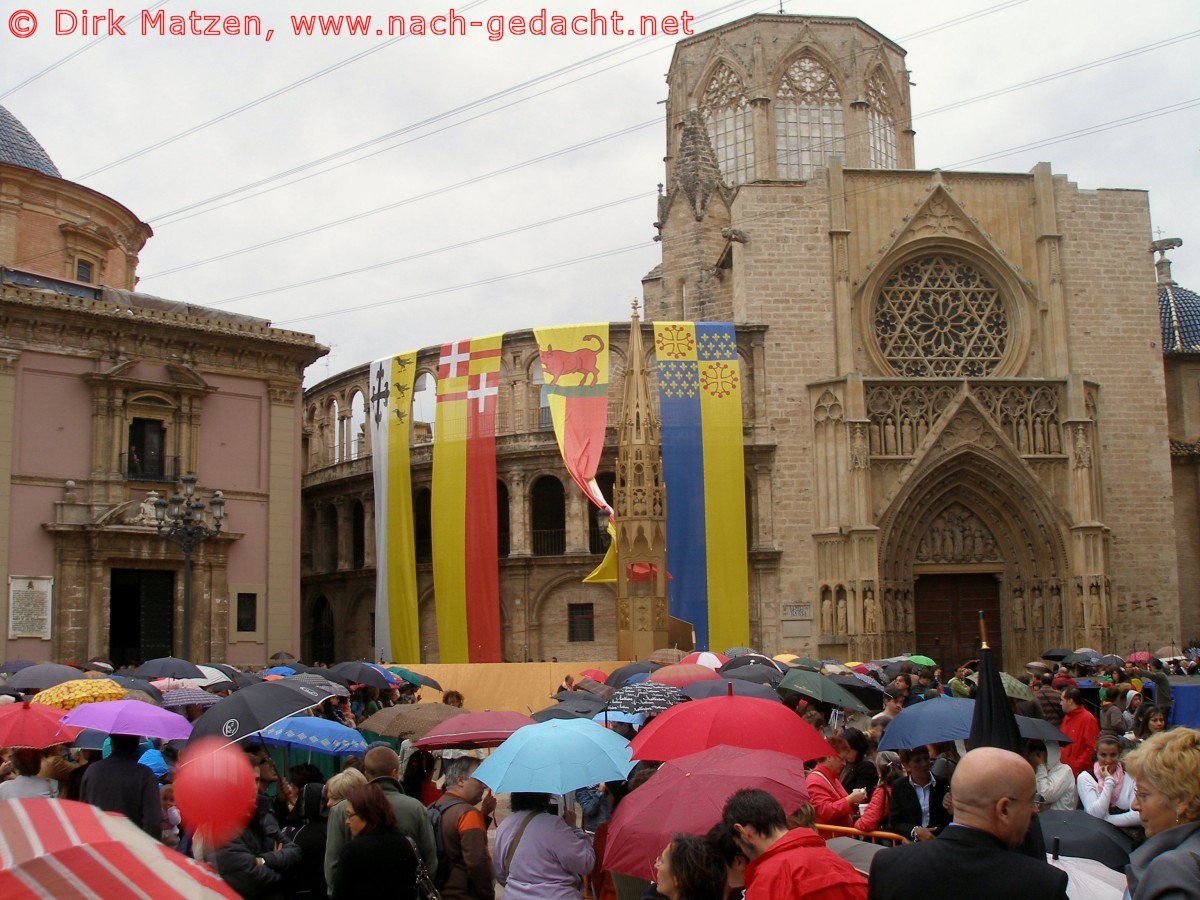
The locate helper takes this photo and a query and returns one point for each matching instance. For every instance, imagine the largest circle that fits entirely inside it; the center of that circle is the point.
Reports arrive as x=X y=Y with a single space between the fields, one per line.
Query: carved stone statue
x=1056 y=615
x=1039 y=621
x=1096 y=619
x=842 y=626
x=1018 y=610
x=826 y=615
x=1078 y=606
x=869 y=620
x=908 y=611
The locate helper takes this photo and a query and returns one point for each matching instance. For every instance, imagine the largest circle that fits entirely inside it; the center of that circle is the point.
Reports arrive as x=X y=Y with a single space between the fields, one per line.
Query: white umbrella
x=1089 y=879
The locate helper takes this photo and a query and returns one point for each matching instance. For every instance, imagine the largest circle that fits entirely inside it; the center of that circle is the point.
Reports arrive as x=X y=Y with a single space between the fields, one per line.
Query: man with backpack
x=460 y=832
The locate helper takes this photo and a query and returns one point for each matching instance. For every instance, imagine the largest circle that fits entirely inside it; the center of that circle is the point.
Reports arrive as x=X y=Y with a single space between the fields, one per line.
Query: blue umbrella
x=316 y=734
x=283 y=671
x=929 y=722
x=555 y=757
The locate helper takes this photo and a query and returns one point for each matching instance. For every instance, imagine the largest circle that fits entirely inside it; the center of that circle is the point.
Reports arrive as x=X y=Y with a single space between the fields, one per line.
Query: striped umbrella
x=61 y=848
x=70 y=694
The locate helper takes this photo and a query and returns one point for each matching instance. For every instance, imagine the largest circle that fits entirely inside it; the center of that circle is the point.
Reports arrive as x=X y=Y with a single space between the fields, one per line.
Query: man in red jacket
x=1082 y=728
x=786 y=865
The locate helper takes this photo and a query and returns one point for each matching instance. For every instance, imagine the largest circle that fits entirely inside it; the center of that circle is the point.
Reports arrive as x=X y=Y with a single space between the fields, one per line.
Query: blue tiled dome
x=1179 y=313
x=20 y=148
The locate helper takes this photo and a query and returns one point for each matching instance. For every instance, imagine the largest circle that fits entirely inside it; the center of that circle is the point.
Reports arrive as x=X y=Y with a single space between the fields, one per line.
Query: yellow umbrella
x=71 y=694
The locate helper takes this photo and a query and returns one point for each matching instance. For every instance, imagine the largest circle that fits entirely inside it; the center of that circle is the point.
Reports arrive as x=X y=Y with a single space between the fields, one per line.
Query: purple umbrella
x=130 y=717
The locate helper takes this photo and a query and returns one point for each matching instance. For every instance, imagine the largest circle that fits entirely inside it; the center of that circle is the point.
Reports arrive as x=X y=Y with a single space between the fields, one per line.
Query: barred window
x=727 y=112
x=581 y=622
x=881 y=125
x=808 y=119
x=940 y=317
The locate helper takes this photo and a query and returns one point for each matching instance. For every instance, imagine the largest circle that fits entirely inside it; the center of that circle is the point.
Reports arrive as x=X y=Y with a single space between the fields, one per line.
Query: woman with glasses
x=377 y=861
x=1167 y=800
x=1106 y=791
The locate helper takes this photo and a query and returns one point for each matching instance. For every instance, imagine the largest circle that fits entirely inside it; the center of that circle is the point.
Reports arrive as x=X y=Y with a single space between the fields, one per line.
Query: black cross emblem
x=380 y=397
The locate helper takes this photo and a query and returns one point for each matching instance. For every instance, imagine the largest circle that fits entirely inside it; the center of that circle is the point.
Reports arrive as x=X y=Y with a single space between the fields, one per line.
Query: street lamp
x=181 y=521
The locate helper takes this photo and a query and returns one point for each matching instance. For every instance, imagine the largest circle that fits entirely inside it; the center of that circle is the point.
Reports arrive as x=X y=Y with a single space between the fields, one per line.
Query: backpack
x=444 y=866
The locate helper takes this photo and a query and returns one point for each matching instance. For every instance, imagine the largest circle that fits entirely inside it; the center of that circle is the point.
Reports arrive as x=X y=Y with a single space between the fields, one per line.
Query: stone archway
x=973 y=513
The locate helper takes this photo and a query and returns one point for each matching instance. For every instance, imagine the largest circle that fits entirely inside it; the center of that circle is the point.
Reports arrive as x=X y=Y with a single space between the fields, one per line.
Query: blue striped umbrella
x=316 y=734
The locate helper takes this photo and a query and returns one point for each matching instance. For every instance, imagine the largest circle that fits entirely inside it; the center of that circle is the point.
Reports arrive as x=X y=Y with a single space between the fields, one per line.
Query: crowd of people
x=388 y=822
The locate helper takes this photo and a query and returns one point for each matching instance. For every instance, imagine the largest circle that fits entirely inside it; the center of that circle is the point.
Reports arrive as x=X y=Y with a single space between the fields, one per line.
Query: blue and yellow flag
x=700 y=402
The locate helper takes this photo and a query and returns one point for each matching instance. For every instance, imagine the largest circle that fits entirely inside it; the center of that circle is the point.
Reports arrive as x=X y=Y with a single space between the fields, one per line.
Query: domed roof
x=1178 y=312
x=20 y=148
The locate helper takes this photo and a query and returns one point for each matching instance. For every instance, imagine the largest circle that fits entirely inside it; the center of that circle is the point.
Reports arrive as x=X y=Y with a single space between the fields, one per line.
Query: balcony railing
x=549 y=542
x=161 y=469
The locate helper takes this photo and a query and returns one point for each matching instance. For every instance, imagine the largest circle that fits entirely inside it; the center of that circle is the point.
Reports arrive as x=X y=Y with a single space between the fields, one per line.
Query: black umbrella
x=137 y=684
x=167 y=667
x=42 y=676
x=256 y=707
x=282 y=654
x=559 y=711
x=647 y=698
x=993 y=724
x=428 y=682
x=581 y=696
x=750 y=659
x=1040 y=730
x=619 y=675
x=245 y=679
x=758 y=674
x=1057 y=654
x=360 y=673
x=1081 y=834
x=699 y=690
x=1111 y=659
x=1081 y=659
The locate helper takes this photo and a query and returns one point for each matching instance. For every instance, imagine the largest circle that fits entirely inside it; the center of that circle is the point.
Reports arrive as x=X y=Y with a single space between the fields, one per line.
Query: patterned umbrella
x=61 y=848
x=181 y=698
x=314 y=679
x=666 y=656
x=70 y=694
x=1012 y=687
x=409 y=720
x=316 y=734
x=734 y=652
x=647 y=698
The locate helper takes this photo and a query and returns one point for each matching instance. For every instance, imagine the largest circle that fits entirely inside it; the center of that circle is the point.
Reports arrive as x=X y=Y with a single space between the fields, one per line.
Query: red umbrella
x=33 y=725
x=473 y=730
x=1138 y=656
x=682 y=674
x=705 y=658
x=60 y=848
x=595 y=675
x=738 y=721
x=687 y=795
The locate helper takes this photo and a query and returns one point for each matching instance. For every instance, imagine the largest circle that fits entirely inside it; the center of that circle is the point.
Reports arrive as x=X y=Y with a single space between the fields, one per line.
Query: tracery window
x=881 y=125
x=808 y=119
x=939 y=316
x=727 y=112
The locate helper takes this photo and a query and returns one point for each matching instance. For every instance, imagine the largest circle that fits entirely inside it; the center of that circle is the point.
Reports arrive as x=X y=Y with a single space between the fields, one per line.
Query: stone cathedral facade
x=954 y=386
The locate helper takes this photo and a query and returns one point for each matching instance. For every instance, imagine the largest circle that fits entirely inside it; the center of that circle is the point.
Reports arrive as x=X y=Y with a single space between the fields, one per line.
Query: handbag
x=425 y=888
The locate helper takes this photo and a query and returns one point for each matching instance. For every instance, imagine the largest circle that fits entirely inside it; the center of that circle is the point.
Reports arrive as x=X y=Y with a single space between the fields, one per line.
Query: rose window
x=940 y=317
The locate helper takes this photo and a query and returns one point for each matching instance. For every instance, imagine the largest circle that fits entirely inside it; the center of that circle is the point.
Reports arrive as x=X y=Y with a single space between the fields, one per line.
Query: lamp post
x=181 y=521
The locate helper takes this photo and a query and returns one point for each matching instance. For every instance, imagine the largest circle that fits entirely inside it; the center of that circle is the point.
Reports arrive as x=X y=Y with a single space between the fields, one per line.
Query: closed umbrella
x=130 y=717
x=254 y=708
x=168 y=667
x=556 y=757
x=737 y=721
x=821 y=688
x=315 y=734
x=62 y=848
x=992 y=723
x=43 y=676
x=687 y=796
x=408 y=720
x=35 y=727
x=474 y=730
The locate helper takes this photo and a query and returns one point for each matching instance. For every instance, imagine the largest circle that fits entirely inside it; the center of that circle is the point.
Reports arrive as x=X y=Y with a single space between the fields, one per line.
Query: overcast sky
x=499 y=185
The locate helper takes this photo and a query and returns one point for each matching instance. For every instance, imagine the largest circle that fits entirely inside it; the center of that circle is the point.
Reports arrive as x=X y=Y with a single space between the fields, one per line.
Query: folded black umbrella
x=1080 y=834
x=993 y=724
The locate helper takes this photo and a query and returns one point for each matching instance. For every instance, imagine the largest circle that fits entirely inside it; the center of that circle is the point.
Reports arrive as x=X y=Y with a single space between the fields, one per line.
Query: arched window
x=808 y=119
x=358 y=535
x=939 y=316
x=358 y=425
x=422 y=527
x=503 y=545
x=549 y=517
x=881 y=125
x=537 y=381
x=424 y=408
x=726 y=109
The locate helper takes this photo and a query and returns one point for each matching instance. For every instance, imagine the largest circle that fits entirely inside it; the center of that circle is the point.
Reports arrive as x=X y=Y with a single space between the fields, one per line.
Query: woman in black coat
x=308 y=882
x=859 y=771
x=378 y=861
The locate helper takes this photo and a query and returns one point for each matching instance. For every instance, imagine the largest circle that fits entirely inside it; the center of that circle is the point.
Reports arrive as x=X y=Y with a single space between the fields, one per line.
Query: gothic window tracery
x=939 y=316
x=727 y=112
x=881 y=125
x=808 y=119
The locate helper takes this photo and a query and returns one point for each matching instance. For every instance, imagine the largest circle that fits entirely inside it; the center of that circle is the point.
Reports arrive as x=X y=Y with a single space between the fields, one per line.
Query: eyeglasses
x=351 y=814
x=1142 y=795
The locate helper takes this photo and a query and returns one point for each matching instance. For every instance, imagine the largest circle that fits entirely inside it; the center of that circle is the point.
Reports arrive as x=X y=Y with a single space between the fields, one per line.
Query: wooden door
x=947 y=609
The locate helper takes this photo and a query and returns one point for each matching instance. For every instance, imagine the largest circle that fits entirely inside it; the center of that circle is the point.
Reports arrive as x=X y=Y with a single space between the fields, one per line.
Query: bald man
x=994 y=798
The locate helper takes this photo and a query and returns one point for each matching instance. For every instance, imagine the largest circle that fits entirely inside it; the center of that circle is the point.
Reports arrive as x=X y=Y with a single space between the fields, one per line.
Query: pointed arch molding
x=939 y=224
x=1029 y=532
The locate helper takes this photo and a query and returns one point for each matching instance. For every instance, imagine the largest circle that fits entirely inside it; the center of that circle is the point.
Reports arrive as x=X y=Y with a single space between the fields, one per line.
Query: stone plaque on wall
x=797 y=610
x=29 y=600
